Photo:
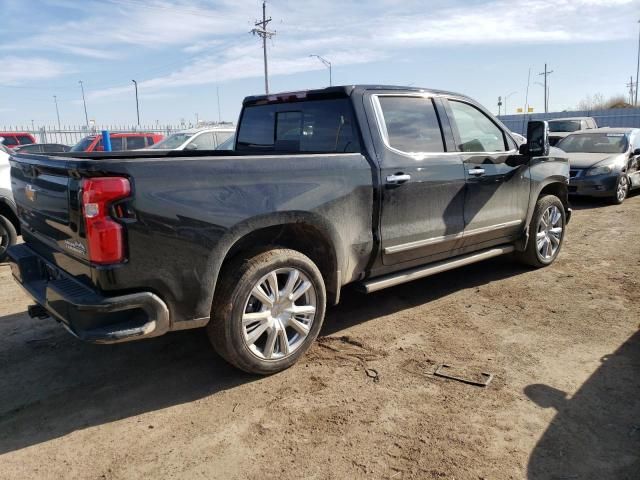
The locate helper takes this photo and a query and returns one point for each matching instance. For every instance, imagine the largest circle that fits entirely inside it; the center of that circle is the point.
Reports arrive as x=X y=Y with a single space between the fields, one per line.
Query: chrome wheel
x=279 y=313
x=621 y=190
x=549 y=234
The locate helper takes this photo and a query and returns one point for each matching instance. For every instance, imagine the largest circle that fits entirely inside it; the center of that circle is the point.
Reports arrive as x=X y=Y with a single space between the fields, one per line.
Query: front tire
x=267 y=311
x=622 y=190
x=8 y=236
x=546 y=232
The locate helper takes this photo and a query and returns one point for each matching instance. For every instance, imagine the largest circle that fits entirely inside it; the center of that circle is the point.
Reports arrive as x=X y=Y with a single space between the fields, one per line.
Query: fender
x=237 y=232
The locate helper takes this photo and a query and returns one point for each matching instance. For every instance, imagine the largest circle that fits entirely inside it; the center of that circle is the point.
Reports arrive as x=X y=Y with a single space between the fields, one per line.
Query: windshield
x=82 y=145
x=564 y=126
x=594 y=143
x=172 y=141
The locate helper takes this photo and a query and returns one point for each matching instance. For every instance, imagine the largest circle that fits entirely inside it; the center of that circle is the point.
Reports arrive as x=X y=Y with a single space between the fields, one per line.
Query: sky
x=185 y=54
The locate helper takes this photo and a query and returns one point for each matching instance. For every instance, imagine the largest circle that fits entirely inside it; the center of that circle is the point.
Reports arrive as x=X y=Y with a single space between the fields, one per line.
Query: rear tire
x=267 y=311
x=546 y=233
x=8 y=236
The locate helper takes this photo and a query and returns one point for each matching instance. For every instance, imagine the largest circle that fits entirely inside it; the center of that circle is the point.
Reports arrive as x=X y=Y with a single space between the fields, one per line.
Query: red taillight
x=105 y=238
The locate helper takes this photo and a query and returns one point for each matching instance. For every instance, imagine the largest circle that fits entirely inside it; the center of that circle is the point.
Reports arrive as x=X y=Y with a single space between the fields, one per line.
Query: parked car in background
x=9 y=225
x=195 y=139
x=13 y=139
x=370 y=185
x=561 y=127
x=228 y=144
x=603 y=162
x=119 y=141
x=42 y=148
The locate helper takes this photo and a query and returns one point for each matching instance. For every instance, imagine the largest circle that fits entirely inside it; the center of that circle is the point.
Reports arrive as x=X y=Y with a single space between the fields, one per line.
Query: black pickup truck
x=372 y=185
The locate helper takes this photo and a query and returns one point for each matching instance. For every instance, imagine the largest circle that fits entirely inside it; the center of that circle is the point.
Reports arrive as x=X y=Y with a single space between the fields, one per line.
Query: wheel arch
x=305 y=232
x=8 y=210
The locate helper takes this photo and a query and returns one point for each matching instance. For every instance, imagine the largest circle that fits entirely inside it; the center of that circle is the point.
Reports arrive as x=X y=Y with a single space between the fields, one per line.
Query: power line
x=262 y=32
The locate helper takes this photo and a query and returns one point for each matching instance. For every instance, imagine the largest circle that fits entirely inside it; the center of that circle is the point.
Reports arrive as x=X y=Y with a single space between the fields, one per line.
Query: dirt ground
x=562 y=342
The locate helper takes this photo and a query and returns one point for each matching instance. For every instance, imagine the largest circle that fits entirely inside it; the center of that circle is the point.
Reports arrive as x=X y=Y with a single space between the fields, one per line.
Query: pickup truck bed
x=324 y=188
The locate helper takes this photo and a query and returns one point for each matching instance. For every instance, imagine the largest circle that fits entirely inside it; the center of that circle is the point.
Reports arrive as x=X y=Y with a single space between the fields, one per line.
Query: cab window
x=411 y=124
x=476 y=130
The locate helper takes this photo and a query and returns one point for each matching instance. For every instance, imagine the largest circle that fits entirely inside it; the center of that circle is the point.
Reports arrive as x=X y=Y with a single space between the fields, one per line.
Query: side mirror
x=191 y=146
x=537 y=140
x=636 y=152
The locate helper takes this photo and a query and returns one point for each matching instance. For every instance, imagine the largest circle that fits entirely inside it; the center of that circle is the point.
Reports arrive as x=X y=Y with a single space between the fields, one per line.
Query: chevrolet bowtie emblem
x=30 y=192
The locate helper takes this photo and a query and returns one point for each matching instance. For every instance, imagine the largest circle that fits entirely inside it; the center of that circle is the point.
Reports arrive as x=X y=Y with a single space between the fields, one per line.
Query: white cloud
x=340 y=31
x=16 y=70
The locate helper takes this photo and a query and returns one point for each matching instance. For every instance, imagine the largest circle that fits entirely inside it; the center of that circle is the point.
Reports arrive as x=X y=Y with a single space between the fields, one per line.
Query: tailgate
x=46 y=195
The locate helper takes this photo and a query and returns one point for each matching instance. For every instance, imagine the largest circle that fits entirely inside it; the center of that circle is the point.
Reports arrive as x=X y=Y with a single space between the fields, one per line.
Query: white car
x=195 y=139
x=8 y=218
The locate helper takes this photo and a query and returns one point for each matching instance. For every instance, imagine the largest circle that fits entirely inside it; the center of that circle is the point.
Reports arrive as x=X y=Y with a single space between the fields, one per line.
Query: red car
x=13 y=139
x=119 y=141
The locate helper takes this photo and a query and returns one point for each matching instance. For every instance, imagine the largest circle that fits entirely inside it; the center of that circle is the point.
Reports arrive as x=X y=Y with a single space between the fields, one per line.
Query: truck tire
x=267 y=310
x=8 y=236
x=546 y=232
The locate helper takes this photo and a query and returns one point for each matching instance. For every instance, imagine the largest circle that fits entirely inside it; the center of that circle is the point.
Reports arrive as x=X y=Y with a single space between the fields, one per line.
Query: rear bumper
x=87 y=314
x=597 y=186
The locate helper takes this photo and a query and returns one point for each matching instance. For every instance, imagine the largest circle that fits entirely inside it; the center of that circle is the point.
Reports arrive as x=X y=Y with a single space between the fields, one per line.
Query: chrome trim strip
x=426 y=271
x=434 y=240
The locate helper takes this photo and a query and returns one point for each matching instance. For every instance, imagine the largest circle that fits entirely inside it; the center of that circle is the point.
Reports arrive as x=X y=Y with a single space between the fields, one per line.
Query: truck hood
x=588 y=160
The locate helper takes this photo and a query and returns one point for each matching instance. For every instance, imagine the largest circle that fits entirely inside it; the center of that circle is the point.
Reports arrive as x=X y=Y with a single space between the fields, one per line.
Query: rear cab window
x=314 y=126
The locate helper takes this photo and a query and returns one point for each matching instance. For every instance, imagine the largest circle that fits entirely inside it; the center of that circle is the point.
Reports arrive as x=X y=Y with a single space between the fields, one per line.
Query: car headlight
x=601 y=170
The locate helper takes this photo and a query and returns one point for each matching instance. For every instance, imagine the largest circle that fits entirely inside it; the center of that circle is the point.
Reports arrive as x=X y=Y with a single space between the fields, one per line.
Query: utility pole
x=546 y=73
x=262 y=32
x=631 y=86
x=55 y=100
x=499 y=104
x=137 y=104
x=638 y=66
x=327 y=64
x=86 y=117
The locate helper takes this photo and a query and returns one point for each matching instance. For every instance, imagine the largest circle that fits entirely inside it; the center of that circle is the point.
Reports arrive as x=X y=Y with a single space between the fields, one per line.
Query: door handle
x=477 y=171
x=398 y=178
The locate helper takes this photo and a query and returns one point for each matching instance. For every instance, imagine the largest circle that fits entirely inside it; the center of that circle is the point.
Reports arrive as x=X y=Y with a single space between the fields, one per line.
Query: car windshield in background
x=172 y=141
x=82 y=145
x=564 y=126
x=594 y=143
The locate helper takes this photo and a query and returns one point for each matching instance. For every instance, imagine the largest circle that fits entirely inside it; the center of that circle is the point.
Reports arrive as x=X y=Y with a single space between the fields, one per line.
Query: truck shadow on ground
x=52 y=384
x=596 y=432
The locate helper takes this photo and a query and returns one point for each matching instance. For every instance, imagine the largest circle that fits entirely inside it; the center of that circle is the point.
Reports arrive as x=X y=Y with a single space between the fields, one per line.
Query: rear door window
x=318 y=126
x=116 y=144
x=204 y=141
x=25 y=140
x=133 y=143
x=411 y=124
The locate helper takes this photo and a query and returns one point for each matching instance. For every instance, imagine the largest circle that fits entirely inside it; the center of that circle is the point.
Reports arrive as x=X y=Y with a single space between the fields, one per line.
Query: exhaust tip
x=37 y=311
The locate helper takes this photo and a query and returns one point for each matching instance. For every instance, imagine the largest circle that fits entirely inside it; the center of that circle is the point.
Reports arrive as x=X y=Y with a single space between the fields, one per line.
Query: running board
x=390 y=280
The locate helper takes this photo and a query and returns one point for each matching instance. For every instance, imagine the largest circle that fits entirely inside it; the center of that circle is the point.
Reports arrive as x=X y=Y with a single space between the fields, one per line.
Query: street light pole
x=638 y=65
x=327 y=64
x=137 y=104
x=86 y=117
x=55 y=100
